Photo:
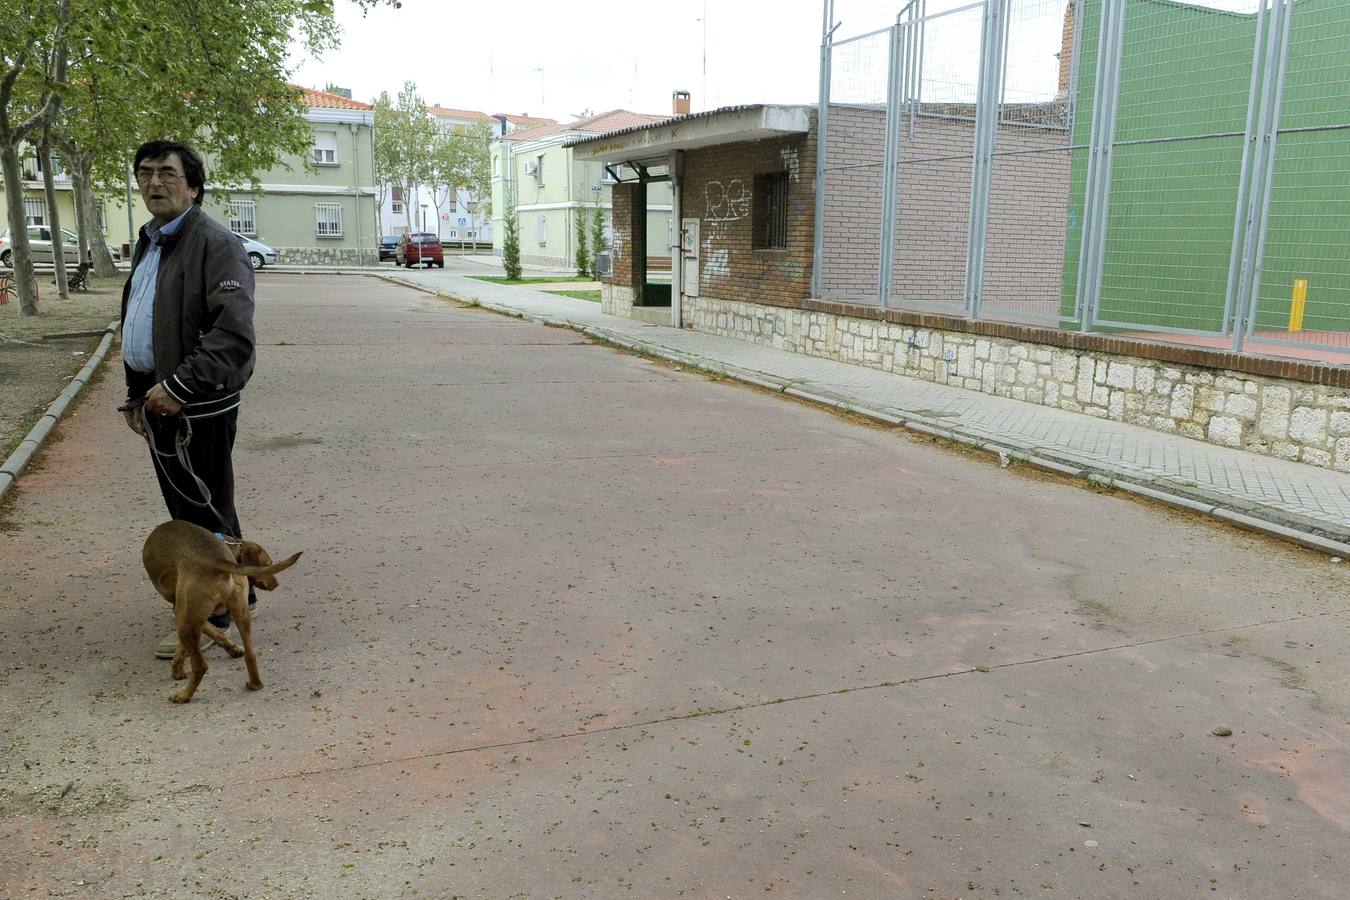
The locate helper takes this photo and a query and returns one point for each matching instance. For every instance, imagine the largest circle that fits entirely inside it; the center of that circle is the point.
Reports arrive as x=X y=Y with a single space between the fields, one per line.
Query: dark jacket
x=203 y=329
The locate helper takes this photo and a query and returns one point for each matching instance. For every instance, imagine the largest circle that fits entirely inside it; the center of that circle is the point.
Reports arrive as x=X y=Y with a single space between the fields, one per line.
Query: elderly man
x=187 y=342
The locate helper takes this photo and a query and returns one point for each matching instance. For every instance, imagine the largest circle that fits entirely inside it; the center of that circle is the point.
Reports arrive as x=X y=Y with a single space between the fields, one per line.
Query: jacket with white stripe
x=203 y=322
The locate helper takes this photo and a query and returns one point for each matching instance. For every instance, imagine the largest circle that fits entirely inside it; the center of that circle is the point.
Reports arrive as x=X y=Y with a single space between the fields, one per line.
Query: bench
x=78 y=280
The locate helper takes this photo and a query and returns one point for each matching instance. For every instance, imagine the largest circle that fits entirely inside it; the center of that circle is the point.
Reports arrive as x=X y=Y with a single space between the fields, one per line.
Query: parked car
x=259 y=254
x=419 y=247
x=388 y=244
x=40 y=246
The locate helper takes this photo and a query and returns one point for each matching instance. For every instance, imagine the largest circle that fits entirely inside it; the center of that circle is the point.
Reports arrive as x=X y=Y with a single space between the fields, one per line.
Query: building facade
x=552 y=188
x=324 y=215
x=453 y=214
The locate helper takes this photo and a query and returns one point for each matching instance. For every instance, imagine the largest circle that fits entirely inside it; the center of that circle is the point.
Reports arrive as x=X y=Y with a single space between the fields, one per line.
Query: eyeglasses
x=166 y=176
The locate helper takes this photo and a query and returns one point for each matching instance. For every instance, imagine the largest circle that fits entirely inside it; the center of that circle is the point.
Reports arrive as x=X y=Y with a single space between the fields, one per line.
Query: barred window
x=35 y=210
x=328 y=219
x=770 y=211
x=242 y=216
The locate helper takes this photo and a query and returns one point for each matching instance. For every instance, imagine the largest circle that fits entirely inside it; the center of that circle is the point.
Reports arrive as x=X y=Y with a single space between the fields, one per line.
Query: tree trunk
x=20 y=257
x=104 y=267
x=81 y=225
x=54 y=213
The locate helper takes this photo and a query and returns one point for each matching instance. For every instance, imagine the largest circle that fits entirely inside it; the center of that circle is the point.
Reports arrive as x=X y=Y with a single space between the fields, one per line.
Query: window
x=35 y=211
x=452 y=203
x=242 y=216
x=453 y=233
x=543 y=231
x=328 y=219
x=325 y=148
x=101 y=208
x=539 y=169
x=770 y=212
x=605 y=177
x=396 y=201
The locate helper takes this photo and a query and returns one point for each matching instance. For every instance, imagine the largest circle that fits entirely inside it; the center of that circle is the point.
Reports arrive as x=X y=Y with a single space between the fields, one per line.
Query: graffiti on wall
x=717 y=263
x=791 y=163
x=728 y=202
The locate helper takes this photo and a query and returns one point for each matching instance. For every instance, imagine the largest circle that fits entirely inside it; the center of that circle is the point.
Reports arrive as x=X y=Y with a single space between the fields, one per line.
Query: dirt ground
x=34 y=366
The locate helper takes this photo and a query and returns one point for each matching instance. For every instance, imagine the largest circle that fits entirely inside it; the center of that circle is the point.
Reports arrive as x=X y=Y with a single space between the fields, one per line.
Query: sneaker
x=169 y=646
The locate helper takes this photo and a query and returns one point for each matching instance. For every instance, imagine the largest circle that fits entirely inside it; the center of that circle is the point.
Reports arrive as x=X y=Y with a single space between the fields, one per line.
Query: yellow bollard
x=1296 y=306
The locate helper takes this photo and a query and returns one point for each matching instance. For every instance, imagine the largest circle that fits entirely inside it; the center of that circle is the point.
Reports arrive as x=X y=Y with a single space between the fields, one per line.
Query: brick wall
x=1027 y=224
x=718 y=189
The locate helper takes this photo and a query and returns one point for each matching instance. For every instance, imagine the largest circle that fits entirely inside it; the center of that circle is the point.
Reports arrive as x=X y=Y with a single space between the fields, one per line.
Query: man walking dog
x=187 y=343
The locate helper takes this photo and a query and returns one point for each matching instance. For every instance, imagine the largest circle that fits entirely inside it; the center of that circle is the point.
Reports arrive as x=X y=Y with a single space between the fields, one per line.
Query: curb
x=38 y=434
x=1249 y=519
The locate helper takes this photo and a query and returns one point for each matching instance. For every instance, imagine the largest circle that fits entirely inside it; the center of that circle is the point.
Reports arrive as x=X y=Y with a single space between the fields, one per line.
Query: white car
x=259 y=254
x=40 y=246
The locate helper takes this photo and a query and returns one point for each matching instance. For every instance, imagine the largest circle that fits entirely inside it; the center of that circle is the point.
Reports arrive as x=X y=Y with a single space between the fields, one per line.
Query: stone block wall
x=1285 y=409
x=327 y=256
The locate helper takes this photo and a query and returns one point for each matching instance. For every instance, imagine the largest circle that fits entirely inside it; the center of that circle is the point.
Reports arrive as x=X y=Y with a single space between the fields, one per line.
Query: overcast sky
x=594 y=56
x=560 y=58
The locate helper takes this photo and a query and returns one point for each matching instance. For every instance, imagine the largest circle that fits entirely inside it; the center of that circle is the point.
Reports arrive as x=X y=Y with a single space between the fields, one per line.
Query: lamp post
x=424 y=217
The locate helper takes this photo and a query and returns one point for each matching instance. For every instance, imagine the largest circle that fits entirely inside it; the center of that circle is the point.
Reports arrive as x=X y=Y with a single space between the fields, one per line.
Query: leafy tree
x=404 y=135
x=33 y=60
x=472 y=155
x=510 y=233
x=212 y=73
x=584 y=261
x=599 y=243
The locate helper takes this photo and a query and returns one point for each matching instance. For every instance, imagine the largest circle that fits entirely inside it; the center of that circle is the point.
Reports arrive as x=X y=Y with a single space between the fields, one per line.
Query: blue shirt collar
x=157 y=234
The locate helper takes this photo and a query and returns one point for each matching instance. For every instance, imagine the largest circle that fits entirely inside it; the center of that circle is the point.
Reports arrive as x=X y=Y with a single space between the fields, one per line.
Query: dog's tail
x=256 y=571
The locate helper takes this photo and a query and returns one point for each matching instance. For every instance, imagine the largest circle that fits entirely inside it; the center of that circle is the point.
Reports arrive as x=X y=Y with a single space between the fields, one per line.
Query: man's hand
x=159 y=402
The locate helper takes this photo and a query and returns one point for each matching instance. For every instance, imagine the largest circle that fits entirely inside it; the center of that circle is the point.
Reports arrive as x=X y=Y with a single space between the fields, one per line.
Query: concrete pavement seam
x=38 y=434
x=796 y=698
x=1270 y=523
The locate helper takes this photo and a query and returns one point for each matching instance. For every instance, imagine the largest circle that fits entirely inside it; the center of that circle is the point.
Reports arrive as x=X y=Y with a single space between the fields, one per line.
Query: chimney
x=679 y=103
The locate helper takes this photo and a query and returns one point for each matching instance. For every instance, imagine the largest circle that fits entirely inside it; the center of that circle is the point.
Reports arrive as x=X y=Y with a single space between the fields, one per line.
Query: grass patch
x=593 y=296
x=91 y=311
x=502 y=279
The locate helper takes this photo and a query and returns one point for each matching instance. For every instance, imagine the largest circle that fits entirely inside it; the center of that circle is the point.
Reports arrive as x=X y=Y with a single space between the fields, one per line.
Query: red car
x=419 y=247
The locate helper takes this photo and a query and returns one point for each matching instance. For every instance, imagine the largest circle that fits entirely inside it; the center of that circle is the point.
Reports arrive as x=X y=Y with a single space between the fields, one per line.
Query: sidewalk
x=1297 y=502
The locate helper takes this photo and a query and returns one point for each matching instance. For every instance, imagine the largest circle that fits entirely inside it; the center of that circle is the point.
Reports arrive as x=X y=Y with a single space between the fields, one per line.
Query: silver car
x=40 y=246
x=259 y=254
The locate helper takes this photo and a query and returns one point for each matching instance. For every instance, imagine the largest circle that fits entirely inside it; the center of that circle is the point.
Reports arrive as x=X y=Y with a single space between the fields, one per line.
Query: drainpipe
x=356 y=188
x=677 y=231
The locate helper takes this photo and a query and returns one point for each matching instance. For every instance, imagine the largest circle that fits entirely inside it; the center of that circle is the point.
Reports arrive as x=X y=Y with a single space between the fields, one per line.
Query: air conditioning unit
x=531 y=168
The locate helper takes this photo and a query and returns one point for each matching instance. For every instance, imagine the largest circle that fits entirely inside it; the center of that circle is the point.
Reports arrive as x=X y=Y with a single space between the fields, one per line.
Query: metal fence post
x=822 y=144
x=1242 y=219
x=1092 y=246
x=1271 y=98
x=988 y=103
x=891 y=161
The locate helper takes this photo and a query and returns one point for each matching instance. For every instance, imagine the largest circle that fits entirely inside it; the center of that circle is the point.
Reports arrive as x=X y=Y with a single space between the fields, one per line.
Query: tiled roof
x=324 y=100
x=603 y=123
x=446 y=112
x=524 y=120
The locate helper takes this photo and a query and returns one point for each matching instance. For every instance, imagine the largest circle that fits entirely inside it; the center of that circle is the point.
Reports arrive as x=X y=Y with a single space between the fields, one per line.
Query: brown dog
x=201 y=576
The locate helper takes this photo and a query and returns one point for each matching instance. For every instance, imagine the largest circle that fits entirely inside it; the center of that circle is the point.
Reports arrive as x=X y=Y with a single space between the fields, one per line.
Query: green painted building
x=324 y=215
x=553 y=188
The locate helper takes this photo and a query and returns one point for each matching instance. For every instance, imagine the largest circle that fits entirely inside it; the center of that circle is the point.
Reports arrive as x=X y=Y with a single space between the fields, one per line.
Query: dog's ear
x=251 y=554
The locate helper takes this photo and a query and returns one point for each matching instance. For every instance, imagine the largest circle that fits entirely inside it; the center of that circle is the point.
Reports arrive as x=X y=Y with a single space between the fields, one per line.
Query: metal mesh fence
x=1133 y=165
x=1304 y=290
x=1030 y=212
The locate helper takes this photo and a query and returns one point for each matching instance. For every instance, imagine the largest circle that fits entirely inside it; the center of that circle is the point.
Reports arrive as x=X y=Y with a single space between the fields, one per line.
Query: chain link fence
x=1139 y=166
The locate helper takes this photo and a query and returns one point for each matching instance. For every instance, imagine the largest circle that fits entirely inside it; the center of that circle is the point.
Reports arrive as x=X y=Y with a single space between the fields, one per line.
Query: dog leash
x=182 y=438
